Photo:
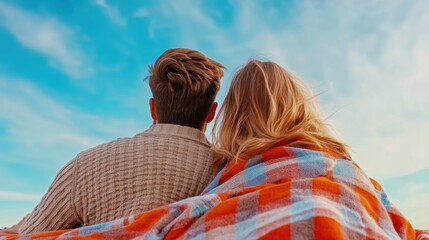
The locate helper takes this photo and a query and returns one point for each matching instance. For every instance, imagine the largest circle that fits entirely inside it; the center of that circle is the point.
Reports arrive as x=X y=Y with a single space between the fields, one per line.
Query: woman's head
x=266 y=104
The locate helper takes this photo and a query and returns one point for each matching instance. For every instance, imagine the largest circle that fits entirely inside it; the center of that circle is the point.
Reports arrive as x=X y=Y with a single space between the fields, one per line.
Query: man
x=168 y=162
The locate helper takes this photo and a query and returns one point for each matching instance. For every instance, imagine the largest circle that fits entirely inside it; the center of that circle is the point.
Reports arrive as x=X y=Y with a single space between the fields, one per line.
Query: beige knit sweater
x=164 y=164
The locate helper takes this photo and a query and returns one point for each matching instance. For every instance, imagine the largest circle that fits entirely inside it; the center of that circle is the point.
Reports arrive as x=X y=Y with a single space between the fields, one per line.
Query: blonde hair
x=265 y=105
x=184 y=84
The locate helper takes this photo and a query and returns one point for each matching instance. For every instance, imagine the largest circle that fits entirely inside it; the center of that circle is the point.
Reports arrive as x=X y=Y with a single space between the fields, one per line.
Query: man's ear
x=212 y=113
x=153 y=109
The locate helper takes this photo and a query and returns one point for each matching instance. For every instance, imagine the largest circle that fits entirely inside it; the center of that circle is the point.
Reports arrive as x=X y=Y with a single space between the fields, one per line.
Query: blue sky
x=71 y=77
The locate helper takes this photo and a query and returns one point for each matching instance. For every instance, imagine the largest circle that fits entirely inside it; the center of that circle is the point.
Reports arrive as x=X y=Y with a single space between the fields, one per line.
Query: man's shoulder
x=110 y=146
x=159 y=134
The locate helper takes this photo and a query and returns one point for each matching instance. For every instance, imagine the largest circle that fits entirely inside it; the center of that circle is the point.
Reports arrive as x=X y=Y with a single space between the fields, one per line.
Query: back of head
x=265 y=105
x=184 y=84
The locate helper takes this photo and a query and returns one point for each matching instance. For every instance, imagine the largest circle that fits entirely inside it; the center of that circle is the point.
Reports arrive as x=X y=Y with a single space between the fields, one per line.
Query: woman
x=284 y=176
x=269 y=118
x=267 y=105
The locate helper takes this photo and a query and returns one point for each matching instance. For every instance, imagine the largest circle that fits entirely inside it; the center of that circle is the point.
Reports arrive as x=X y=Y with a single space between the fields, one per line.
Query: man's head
x=184 y=84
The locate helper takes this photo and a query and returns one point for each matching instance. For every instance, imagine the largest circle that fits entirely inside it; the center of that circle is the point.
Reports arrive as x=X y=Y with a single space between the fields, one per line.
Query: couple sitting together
x=274 y=170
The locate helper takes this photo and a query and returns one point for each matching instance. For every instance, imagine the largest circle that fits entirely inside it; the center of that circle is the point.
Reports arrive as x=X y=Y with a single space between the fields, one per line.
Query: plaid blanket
x=284 y=193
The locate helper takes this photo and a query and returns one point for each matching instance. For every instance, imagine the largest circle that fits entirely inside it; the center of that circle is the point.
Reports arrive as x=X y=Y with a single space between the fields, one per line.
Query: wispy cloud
x=36 y=123
x=141 y=13
x=386 y=120
x=186 y=19
x=47 y=36
x=379 y=71
x=112 y=12
x=409 y=193
x=17 y=196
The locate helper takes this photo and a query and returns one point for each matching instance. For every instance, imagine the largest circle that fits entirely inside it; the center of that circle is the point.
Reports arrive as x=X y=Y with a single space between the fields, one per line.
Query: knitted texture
x=164 y=164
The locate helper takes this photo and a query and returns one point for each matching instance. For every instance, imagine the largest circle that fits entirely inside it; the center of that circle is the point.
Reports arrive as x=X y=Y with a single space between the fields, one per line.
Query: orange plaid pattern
x=284 y=193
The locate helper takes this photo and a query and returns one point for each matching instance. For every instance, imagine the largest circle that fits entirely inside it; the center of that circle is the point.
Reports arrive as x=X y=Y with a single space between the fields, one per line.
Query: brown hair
x=266 y=105
x=184 y=84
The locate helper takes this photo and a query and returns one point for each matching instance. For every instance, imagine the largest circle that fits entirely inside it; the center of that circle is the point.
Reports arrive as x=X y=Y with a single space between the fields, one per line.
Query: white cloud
x=37 y=124
x=387 y=155
x=409 y=194
x=386 y=122
x=46 y=133
x=112 y=12
x=187 y=21
x=141 y=13
x=191 y=10
x=17 y=196
x=48 y=37
x=414 y=207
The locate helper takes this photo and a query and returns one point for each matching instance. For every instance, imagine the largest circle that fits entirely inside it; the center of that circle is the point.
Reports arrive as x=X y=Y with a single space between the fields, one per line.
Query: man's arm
x=56 y=210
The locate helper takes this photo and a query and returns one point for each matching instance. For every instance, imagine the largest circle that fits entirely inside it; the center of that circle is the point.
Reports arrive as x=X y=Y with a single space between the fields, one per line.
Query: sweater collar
x=178 y=130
